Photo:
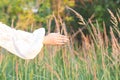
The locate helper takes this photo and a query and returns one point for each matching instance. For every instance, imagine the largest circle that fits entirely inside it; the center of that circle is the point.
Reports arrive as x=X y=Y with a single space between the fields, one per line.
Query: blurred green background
x=19 y=11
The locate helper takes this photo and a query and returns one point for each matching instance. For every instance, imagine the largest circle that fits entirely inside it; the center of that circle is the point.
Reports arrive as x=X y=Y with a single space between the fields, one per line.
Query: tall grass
x=97 y=58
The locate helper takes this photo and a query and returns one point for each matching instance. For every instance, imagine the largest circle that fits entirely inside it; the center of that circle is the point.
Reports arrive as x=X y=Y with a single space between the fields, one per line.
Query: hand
x=55 y=39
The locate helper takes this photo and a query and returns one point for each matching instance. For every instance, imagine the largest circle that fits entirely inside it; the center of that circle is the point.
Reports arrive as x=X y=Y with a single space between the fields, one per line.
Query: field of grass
x=97 y=58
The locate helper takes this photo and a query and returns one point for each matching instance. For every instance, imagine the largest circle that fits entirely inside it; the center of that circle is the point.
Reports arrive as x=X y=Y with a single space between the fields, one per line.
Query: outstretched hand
x=55 y=39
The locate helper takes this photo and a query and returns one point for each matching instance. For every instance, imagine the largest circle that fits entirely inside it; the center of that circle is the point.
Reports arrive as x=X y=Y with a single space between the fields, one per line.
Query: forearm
x=21 y=43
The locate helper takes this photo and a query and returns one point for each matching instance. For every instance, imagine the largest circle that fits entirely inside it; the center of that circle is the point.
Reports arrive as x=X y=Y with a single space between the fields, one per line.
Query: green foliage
x=20 y=11
x=11 y=10
x=97 y=9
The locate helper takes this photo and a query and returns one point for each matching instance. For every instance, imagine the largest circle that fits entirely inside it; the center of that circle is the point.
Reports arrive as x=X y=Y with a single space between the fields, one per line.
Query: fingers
x=61 y=39
x=59 y=42
x=55 y=39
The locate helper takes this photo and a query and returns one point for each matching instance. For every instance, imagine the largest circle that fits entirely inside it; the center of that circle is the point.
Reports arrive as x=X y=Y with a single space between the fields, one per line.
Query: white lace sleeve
x=23 y=44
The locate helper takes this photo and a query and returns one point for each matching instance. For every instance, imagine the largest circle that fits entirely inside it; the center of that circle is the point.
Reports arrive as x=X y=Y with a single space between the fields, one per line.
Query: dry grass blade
x=49 y=24
x=69 y=45
x=1 y=58
x=52 y=71
x=99 y=35
x=82 y=22
x=75 y=34
x=12 y=24
x=57 y=24
x=118 y=14
x=115 y=45
x=117 y=31
x=93 y=29
x=105 y=36
x=115 y=21
x=113 y=18
x=65 y=32
x=85 y=43
x=16 y=69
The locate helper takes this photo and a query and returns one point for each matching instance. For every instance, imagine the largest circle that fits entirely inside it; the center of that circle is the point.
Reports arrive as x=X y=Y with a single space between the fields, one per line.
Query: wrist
x=44 y=40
